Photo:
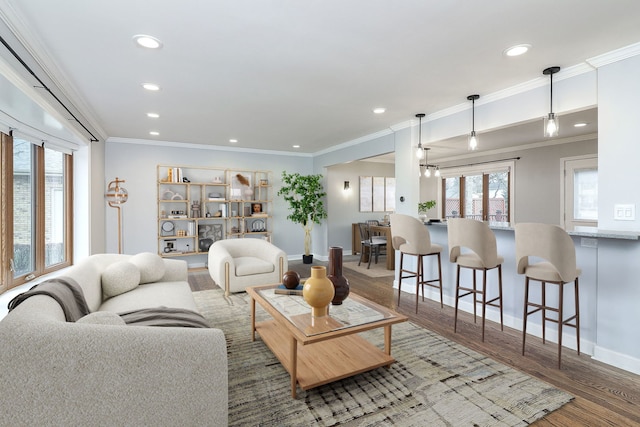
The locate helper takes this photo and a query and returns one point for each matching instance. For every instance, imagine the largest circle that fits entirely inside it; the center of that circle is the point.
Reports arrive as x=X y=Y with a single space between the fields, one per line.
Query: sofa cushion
x=102 y=318
x=150 y=265
x=151 y=295
x=119 y=277
x=247 y=265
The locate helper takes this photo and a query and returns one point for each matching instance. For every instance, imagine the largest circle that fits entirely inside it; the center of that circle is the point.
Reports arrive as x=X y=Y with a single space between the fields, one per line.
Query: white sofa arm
x=58 y=373
x=175 y=270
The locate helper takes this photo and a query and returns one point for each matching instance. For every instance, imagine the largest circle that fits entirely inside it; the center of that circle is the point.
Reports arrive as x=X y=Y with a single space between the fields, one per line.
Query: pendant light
x=419 y=151
x=551 y=121
x=473 y=139
x=426 y=166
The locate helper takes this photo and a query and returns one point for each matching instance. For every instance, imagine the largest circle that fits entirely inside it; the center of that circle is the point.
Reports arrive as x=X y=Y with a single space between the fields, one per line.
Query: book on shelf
x=176 y=216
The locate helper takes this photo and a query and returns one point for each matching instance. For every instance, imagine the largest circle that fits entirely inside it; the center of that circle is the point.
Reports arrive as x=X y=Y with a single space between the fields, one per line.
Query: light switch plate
x=624 y=212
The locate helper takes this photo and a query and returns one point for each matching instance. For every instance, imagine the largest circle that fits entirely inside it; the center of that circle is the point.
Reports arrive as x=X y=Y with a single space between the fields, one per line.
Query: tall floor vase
x=340 y=283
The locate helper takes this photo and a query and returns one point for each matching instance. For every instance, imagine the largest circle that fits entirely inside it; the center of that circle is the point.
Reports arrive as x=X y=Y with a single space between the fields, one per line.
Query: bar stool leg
x=575 y=285
x=455 y=316
x=417 y=283
x=560 y=321
x=500 y=295
x=526 y=312
x=400 y=276
x=544 y=311
x=484 y=299
x=474 y=294
x=440 y=280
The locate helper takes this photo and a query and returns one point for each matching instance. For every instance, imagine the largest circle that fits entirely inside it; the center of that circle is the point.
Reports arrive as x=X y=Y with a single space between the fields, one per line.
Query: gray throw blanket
x=64 y=290
x=164 y=316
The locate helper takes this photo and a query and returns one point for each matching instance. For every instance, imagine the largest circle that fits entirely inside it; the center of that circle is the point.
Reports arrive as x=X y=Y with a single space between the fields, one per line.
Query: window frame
x=8 y=281
x=483 y=169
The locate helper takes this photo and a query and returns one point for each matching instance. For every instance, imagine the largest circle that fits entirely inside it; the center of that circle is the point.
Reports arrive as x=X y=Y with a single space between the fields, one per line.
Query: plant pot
x=307 y=259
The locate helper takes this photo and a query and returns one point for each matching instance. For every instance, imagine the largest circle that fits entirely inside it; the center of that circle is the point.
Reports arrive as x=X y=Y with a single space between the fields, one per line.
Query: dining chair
x=557 y=266
x=472 y=245
x=369 y=244
x=411 y=237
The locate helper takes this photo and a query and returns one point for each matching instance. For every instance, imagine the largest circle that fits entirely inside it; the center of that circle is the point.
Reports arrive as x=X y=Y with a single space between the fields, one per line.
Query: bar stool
x=555 y=247
x=477 y=237
x=411 y=237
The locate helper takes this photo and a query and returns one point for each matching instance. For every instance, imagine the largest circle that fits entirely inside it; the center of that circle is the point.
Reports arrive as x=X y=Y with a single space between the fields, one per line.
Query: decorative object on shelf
x=291 y=279
x=204 y=244
x=423 y=207
x=340 y=283
x=318 y=291
x=473 y=139
x=550 y=121
x=217 y=180
x=243 y=180
x=305 y=194
x=264 y=182
x=256 y=207
x=168 y=228
x=181 y=233
x=258 y=226
x=116 y=196
x=185 y=179
x=195 y=209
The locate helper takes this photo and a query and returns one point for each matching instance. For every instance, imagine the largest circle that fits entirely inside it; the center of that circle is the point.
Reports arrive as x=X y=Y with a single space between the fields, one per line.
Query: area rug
x=435 y=382
x=376 y=270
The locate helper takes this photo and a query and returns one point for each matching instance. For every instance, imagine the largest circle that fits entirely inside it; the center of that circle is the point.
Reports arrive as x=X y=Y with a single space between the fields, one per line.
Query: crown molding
x=615 y=55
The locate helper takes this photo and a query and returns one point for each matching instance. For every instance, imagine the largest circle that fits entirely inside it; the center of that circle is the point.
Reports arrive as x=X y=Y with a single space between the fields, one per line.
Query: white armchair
x=235 y=264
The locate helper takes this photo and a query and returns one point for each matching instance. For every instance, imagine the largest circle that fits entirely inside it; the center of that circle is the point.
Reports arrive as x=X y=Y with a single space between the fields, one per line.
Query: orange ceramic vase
x=318 y=291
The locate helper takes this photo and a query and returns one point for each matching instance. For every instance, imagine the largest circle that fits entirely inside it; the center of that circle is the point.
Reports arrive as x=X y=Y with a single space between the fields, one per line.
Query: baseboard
x=616 y=359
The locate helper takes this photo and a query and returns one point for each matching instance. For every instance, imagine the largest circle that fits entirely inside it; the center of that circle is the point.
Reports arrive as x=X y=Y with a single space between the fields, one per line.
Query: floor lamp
x=116 y=196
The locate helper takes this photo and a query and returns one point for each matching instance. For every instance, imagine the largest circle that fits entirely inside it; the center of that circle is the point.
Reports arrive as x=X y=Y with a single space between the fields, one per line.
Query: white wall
x=343 y=207
x=619 y=149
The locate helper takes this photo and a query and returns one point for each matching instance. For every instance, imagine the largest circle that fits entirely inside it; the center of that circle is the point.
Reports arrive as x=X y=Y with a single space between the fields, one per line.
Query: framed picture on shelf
x=256 y=208
x=207 y=234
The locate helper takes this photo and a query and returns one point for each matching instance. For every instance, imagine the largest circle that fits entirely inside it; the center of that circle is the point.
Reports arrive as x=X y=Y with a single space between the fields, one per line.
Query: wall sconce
x=551 y=121
x=427 y=167
x=117 y=195
x=419 y=152
x=346 y=185
x=473 y=139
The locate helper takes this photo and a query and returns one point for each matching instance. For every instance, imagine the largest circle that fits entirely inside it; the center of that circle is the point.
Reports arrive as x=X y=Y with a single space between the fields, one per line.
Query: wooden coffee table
x=317 y=351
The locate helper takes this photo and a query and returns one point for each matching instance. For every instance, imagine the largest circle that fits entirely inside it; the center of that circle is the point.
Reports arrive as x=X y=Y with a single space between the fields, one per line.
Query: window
x=377 y=194
x=36 y=211
x=482 y=192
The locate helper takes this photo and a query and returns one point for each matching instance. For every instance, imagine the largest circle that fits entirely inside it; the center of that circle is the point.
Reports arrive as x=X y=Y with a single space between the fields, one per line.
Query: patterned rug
x=376 y=270
x=434 y=382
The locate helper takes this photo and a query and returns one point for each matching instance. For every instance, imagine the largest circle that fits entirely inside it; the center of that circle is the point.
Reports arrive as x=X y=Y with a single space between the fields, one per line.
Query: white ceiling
x=282 y=72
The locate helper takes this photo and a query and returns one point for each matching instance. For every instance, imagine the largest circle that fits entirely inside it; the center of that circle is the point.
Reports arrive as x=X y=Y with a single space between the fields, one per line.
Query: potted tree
x=305 y=194
x=423 y=207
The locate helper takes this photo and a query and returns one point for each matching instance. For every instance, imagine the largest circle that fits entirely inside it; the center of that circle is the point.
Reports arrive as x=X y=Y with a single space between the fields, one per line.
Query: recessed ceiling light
x=579 y=125
x=153 y=115
x=150 y=86
x=379 y=110
x=517 y=50
x=154 y=133
x=296 y=146
x=149 y=42
x=233 y=141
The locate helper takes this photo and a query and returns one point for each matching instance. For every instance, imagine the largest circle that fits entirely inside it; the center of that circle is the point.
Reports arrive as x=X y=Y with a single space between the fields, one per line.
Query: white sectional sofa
x=98 y=371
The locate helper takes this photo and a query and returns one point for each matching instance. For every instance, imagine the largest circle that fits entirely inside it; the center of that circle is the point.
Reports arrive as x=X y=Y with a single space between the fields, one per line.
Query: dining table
x=378 y=230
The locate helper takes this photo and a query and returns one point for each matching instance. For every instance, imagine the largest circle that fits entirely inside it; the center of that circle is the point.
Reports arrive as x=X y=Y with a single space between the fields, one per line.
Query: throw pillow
x=102 y=318
x=119 y=277
x=151 y=266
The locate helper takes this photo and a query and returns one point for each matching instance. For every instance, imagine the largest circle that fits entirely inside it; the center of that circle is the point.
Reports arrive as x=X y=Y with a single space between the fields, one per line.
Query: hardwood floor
x=604 y=395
